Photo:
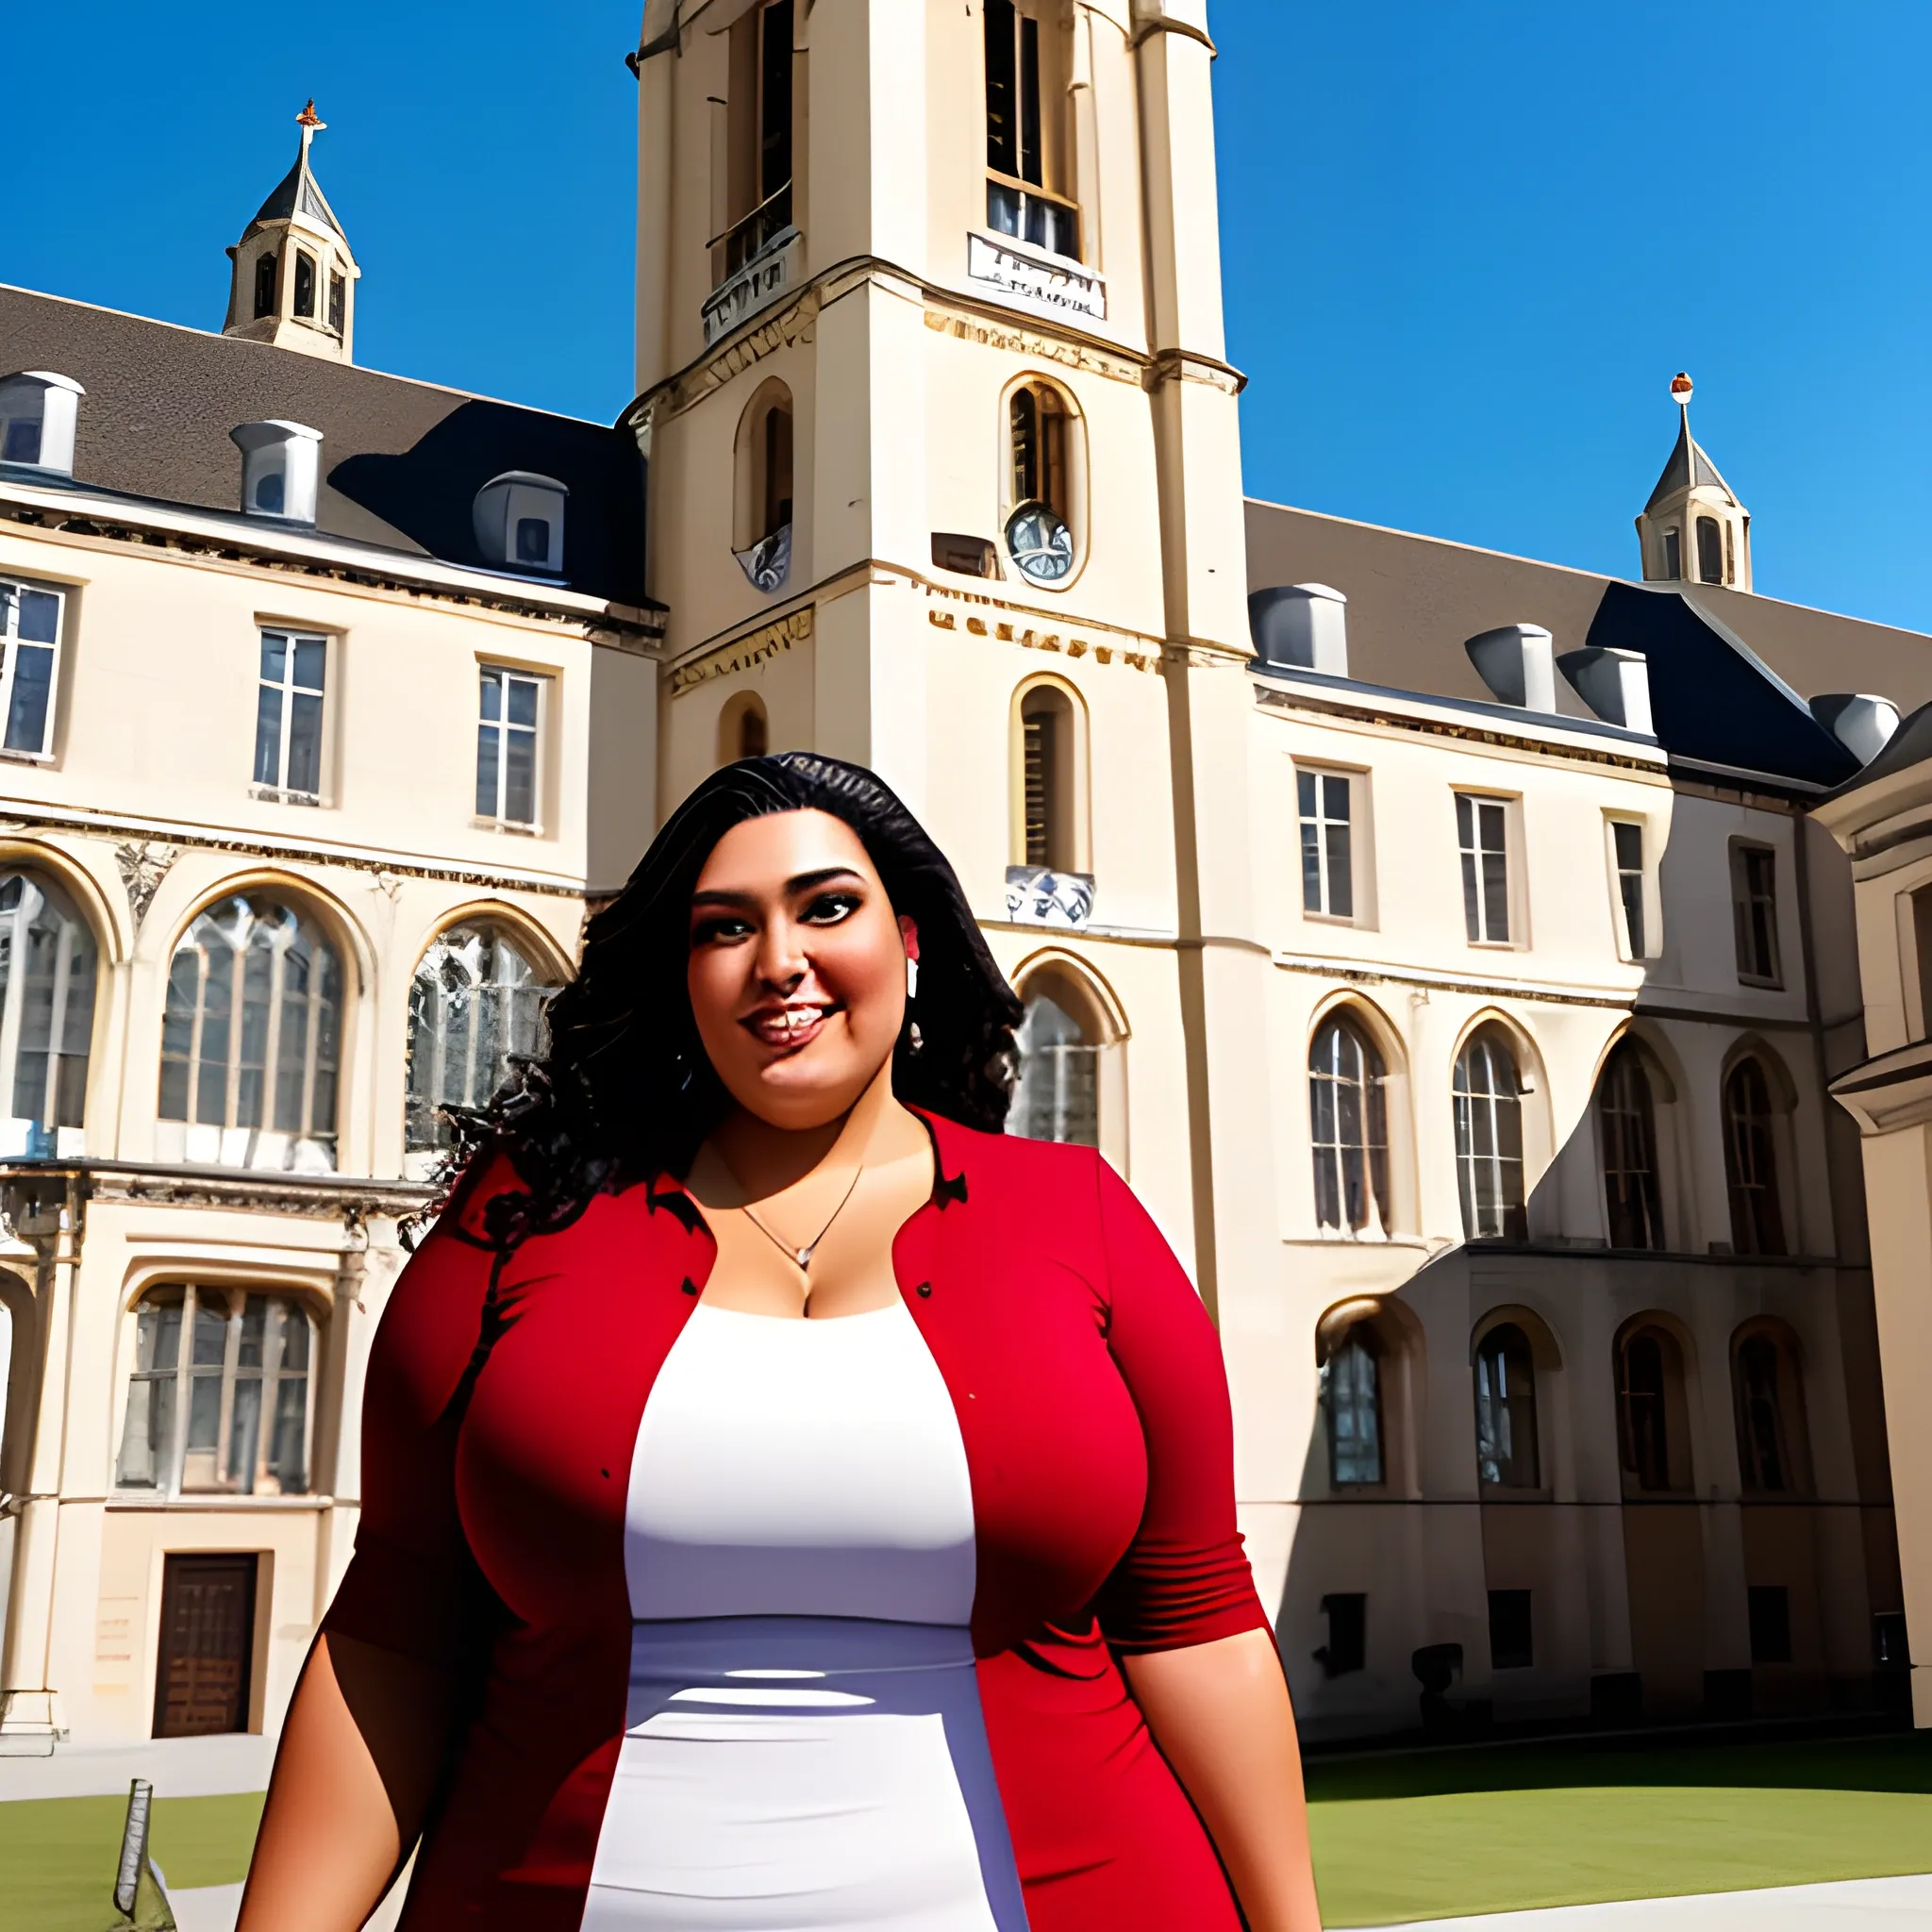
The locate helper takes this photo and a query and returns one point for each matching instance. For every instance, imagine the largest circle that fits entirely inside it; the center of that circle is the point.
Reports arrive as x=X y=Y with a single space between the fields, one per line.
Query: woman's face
x=797 y=970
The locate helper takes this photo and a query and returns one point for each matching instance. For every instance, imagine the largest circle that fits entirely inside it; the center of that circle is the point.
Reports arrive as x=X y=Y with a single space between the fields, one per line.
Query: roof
x=1731 y=671
x=1690 y=468
x=401 y=461
x=298 y=193
x=1910 y=745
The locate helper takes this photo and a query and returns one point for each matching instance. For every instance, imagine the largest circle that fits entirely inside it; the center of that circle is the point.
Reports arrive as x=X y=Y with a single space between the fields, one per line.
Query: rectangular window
x=1022 y=135
x=1626 y=842
x=30 y=636
x=1754 y=912
x=1674 y=555
x=287 y=714
x=506 y=746
x=1482 y=833
x=1771 y=1623
x=304 y=285
x=1327 y=861
x=338 y=301
x=1511 y=1638
x=1347 y=1648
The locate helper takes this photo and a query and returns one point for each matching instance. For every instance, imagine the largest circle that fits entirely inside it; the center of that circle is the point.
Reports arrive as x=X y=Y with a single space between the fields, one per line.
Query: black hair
x=626 y=1093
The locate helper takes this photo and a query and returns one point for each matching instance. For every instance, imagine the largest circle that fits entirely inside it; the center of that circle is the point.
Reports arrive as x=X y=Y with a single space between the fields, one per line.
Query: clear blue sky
x=1465 y=245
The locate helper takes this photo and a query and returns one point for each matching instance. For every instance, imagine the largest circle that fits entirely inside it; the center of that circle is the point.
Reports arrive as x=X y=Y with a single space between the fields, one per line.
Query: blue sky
x=1465 y=246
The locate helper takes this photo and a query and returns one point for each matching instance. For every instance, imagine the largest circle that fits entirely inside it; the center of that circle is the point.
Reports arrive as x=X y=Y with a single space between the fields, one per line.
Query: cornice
x=742 y=653
x=330 y=1197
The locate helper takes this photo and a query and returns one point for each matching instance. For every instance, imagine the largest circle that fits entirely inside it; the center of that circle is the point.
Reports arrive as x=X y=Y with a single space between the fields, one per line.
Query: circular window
x=1040 y=543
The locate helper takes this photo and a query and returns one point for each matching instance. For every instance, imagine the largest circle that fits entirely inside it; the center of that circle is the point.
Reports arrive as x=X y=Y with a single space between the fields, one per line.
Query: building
x=1436 y=939
x=317 y=691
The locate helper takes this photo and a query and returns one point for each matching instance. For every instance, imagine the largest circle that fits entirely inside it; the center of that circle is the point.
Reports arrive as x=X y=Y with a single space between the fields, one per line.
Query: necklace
x=802 y=1257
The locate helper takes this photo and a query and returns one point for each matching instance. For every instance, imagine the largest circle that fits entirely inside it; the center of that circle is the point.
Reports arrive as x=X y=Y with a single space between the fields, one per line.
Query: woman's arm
x=1220 y=1715
x=366 y=1740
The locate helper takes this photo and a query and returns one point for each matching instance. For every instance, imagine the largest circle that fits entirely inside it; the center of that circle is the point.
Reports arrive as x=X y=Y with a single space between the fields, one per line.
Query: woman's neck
x=766 y=1160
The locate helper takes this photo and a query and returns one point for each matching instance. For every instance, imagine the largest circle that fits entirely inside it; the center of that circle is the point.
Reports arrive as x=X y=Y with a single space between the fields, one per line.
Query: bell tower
x=945 y=478
x=294 y=277
x=1693 y=529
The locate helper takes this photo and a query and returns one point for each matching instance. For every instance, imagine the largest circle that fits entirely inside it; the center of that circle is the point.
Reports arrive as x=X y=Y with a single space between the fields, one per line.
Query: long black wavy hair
x=626 y=1093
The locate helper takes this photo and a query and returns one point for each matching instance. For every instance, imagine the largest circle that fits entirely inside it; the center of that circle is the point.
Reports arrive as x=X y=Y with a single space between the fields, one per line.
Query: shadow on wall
x=428 y=491
x=1616 y=1456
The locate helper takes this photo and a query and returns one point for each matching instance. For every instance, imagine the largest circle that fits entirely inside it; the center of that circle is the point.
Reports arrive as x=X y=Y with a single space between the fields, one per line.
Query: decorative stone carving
x=143 y=866
x=743 y=653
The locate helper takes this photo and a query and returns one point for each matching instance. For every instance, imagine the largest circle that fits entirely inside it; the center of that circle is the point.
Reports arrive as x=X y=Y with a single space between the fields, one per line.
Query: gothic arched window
x=48 y=971
x=1488 y=1138
x=251 y=1038
x=1710 y=551
x=1348 y=1128
x=1628 y=1124
x=1505 y=1439
x=265 y=267
x=1769 y=1400
x=475 y=1001
x=1751 y=1161
x=1057 y=1095
x=1649 y=1394
x=1352 y=1406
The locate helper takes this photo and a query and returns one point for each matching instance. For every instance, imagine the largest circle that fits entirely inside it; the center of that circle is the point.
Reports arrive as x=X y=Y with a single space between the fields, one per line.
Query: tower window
x=1024 y=144
x=1045 y=726
x=1040 y=536
x=265 y=267
x=338 y=301
x=305 y=284
x=777 y=469
x=1710 y=551
x=758 y=145
x=1673 y=556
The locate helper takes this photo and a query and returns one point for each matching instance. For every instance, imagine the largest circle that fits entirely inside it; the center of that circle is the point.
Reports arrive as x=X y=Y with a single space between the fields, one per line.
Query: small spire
x=1680 y=383
x=311 y=123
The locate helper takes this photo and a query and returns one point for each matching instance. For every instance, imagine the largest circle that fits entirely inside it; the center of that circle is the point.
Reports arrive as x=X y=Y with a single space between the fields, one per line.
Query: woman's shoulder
x=999 y=1163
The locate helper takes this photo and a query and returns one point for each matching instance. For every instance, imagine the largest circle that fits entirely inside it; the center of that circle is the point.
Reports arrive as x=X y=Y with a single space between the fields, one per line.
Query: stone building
x=1436 y=939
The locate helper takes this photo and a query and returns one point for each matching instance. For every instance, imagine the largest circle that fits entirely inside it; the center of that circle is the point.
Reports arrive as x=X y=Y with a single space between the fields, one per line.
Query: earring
x=911 y=978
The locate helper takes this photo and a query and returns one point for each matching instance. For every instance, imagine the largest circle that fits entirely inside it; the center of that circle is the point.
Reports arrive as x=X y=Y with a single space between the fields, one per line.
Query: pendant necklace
x=802 y=1257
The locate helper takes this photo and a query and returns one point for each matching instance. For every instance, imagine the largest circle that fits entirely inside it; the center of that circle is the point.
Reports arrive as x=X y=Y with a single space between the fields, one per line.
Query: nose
x=781 y=961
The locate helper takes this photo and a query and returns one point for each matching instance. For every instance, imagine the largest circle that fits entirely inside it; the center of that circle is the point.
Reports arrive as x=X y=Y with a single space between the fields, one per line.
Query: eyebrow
x=801 y=882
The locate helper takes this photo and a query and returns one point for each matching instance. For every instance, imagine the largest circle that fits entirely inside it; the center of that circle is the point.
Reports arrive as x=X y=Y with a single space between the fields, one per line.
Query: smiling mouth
x=789 y=1027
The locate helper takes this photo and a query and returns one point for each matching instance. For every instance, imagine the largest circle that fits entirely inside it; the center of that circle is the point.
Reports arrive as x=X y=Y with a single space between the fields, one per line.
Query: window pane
x=1311 y=867
x=1340 y=883
x=1030 y=168
x=488 y=742
x=275 y=656
x=311 y=656
x=33 y=693
x=217 y=996
x=1629 y=846
x=244 y=1428
x=305 y=744
x=492 y=694
x=1465 y=820
x=40 y=617
x=1472 y=900
x=519 y=779
x=1002 y=130
x=1495 y=896
x=521 y=695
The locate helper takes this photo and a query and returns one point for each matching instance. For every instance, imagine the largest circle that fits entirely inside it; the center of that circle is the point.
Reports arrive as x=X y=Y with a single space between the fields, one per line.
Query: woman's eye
x=711 y=931
x=828 y=908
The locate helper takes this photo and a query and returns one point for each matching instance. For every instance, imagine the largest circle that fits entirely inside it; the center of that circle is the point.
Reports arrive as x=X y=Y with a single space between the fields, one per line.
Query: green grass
x=57 y=1854
x=1439 y=1833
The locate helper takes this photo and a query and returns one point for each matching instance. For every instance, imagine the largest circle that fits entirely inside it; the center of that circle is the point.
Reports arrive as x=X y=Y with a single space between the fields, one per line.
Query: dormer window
x=281 y=469
x=265 y=267
x=519 y=521
x=1026 y=143
x=38 y=412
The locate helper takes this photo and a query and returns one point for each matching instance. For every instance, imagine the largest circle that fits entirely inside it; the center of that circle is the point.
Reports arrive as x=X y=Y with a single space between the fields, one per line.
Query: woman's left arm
x=1220 y=1715
x=1180 y=1608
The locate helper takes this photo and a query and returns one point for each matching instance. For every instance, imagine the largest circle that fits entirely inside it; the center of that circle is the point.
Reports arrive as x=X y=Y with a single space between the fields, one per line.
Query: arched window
x=48 y=970
x=1057 y=1095
x=265 y=267
x=1769 y=1400
x=1649 y=1380
x=1349 y=1129
x=1040 y=518
x=1488 y=1138
x=1352 y=1407
x=1506 y=1441
x=304 y=285
x=761 y=522
x=1674 y=555
x=475 y=1000
x=1711 y=550
x=743 y=731
x=252 y=1038
x=221 y=1396
x=1628 y=1127
x=1048 y=779
x=1751 y=1161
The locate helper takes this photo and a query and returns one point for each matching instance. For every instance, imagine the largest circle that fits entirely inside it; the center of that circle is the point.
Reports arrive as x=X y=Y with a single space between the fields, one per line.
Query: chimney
x=1614 y=684
x=281 y=466
x=1862 y=723
x=39 y=411
x=1300 y=627
x=1517 y=664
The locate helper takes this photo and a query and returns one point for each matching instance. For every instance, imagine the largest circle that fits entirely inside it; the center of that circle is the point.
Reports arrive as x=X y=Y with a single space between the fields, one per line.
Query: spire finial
x=311 y=123
x=1680 y=385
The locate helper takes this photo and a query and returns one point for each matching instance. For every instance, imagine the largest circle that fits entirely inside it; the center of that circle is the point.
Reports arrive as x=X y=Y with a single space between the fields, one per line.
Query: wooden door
x=207 y=1643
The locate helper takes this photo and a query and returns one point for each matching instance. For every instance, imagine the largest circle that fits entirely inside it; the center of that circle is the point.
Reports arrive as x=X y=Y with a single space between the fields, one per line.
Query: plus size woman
x=787 y=1502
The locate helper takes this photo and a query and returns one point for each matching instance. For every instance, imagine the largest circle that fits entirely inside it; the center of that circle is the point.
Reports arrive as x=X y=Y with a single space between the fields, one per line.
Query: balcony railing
x=750 y=236
x=1029 y=213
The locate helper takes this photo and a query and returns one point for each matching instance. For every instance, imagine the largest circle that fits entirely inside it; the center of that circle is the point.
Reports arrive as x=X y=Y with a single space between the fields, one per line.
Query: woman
x=787 y=1502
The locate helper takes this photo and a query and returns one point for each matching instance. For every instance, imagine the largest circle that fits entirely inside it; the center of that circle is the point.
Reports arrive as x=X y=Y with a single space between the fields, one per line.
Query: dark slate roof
x=298 y=193
x=1413 y=601
x=401 y=461
x=1687 y=468
x=1910 y=745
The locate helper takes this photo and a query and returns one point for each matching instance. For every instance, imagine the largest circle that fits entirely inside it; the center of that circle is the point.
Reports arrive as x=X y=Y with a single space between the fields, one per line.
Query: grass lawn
x=57 y=1854
x=1435 y=1835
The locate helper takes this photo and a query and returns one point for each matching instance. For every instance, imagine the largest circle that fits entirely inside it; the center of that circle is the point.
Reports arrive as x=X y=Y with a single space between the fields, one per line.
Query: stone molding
x=743 y=653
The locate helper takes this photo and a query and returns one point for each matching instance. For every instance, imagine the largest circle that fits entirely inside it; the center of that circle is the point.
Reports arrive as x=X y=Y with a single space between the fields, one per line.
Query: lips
x=789 y=1027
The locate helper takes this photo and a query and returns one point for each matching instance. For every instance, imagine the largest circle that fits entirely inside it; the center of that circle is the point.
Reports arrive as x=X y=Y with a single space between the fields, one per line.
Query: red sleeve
x=413 y=1585
x=1185 y=1578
